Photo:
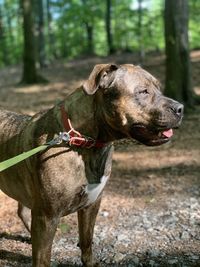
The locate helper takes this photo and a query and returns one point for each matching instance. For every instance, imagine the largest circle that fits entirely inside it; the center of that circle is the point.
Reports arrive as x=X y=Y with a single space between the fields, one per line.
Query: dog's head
x=132 y=104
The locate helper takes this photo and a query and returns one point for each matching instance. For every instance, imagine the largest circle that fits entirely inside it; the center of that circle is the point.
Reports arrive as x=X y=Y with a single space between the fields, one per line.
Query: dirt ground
x=150 y=213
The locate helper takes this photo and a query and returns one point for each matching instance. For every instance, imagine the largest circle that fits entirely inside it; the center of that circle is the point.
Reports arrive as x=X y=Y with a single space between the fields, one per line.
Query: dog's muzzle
x=161 y=132
x=150 y=137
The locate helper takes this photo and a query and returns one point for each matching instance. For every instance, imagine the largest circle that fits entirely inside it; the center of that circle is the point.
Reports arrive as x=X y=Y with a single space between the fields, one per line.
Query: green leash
x=12 y=161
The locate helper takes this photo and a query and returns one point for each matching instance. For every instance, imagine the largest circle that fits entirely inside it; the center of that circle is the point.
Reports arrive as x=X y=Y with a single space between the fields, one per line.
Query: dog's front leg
x=43 y=229
x=86 y=222
x=24 y=214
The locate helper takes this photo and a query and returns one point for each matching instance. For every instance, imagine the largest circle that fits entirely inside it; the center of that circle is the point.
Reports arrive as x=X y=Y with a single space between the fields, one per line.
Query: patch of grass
x=64 y=227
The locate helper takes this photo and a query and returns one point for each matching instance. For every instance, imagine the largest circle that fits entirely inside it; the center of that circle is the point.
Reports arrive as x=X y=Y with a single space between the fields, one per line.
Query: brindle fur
x=53 y=183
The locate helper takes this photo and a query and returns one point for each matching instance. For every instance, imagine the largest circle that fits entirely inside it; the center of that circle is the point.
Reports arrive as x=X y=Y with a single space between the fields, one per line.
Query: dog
x=115 y=102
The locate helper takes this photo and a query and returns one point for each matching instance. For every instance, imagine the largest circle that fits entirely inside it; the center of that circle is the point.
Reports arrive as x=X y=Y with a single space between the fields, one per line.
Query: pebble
x=104 y=213
x=172 y=261
x=185 y=235
x=154 y=253
x=136 y=260
x=54 y=264
x=118 y=257
x=122 y=237
x=151 y=263
x=194 y=257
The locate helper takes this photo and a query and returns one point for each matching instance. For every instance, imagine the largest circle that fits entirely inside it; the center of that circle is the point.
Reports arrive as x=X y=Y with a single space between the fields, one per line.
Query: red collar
x=76 y=138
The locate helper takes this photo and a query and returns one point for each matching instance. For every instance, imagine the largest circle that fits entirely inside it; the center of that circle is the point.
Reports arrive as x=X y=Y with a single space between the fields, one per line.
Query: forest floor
x=150 y=213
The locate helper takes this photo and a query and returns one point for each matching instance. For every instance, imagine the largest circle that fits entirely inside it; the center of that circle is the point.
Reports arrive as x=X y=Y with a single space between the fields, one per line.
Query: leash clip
x=63 y=136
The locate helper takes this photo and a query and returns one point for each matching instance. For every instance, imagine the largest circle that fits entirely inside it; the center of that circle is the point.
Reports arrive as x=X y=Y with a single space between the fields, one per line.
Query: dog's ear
x=100 y=71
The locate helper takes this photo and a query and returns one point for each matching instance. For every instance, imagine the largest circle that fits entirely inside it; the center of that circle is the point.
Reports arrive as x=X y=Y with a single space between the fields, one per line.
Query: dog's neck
x=79 y=108
x=86 y=117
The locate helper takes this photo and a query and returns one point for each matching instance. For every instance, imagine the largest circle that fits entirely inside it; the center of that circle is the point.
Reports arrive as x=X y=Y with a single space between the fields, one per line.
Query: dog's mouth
x=150 y=137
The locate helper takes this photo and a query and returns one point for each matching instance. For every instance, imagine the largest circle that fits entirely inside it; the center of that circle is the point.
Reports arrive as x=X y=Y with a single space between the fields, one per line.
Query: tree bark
x=178 y=70
x=29 y=59
x=10 y=38
x=51 y=38
x=41 y=38
x=89 y=30
x=3 y=45
x=140 y=39
x=111 y=48
x=90 y=42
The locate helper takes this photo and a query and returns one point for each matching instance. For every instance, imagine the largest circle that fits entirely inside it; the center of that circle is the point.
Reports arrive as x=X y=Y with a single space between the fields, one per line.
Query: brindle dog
x=115 y=102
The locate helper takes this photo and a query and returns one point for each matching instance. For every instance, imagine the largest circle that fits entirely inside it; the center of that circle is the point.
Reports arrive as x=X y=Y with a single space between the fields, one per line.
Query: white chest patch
x=94 y=190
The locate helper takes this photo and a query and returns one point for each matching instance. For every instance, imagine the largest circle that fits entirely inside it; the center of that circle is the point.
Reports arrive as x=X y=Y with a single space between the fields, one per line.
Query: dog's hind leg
x=24 y=214
x=86 y=222
x=43 y=228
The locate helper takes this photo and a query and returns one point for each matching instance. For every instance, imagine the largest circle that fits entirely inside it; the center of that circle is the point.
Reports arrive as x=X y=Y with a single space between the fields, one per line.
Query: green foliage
x=67 y=25
x=194 y=29
x=64 y=227
x=11 y=36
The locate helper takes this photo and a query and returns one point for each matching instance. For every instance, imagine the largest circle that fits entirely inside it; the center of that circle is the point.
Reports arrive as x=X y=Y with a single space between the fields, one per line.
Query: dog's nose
x=178 y=109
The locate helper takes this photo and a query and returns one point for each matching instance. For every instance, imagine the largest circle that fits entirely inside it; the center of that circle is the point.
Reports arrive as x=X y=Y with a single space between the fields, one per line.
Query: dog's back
x=11 y=144
x=11 y=124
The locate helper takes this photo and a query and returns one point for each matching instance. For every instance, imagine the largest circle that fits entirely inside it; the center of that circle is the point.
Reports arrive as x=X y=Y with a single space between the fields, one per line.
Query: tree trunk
x=90 y=42
x=111 y=49
x=178 y=76
x=51 y=39
x=64 y=52
x=29 y=69
x=10 y=38
x=89 y=30
x=41 y=38
x=3 y=45
x=140 y=39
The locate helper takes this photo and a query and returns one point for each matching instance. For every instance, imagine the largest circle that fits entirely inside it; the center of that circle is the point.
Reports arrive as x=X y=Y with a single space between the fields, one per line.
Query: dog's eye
x=144 y=92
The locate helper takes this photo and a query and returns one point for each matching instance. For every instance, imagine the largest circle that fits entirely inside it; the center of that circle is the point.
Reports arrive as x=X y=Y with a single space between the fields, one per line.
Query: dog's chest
x=85 y=195
x=74 y=180
x=97 y=169
x=94 y=190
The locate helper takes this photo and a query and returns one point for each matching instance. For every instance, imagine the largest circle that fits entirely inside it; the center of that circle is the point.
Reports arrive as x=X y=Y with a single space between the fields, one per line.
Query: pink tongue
x=168 y=133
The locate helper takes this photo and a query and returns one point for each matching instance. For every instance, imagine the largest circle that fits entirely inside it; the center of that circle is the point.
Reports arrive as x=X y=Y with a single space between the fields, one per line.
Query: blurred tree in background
x=29 y=58
x=30 y=74
x=75 y=28
x=178 y=76
x=67 y=29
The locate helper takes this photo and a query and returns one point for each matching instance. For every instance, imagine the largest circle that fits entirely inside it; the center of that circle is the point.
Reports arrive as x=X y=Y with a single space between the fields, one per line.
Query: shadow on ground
x=144 y=260
x=20 y=238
